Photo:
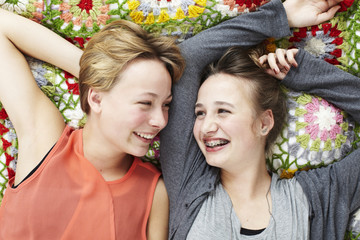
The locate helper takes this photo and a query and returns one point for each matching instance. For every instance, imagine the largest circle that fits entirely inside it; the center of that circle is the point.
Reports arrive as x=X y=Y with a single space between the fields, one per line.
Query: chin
x=213 y=162
x=139 y=152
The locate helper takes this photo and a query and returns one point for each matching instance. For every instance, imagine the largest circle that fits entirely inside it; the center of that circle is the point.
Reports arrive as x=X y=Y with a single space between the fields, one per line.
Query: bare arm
x=158 y=223
x=39 y=42
x=37 y=122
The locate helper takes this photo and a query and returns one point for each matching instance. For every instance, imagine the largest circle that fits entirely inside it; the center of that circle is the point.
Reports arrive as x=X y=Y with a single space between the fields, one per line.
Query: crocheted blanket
x=317 y=133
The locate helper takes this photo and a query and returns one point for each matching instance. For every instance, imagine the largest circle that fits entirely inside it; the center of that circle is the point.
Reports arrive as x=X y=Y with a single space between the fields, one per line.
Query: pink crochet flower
x=323 y=120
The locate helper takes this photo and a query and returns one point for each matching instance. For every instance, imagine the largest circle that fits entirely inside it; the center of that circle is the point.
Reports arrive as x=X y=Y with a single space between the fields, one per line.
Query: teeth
x=146 y=136
x=216 y=143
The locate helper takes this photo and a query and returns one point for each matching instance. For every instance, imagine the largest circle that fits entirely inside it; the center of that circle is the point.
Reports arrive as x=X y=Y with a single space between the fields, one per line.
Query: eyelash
x=199 y=113
x=148 y=104
x=223 y=111
x=220 y=111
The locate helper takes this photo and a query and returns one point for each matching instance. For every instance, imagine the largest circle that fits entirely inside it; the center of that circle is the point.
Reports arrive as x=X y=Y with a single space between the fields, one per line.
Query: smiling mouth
x=216 y=143
x=145 y=136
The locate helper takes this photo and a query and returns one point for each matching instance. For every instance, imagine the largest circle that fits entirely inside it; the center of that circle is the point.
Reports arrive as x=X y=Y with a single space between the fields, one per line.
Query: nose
x=158 y=118
x=209 y=124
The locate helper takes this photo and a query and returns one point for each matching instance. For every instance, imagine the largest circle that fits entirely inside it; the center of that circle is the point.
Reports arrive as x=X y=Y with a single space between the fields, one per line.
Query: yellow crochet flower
x=195 y=11
x=150 y=19
x=201 y=2
x=133 y=4
x=179 y=14
x=164 y=17
x=137 y=17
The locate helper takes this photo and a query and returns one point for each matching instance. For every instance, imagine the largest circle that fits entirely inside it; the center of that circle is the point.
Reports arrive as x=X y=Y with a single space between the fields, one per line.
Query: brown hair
x=114 y=47
x=266 y=92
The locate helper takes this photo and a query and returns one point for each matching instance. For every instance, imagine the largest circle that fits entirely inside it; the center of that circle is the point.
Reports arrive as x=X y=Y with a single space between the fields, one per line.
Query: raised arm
x=333 y=192
x=37 y=41
x=37 y=122
x=325 y=80
x=180 y=155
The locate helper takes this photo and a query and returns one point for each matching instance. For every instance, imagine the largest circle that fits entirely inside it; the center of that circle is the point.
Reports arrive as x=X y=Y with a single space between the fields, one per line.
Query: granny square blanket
x=316 y=134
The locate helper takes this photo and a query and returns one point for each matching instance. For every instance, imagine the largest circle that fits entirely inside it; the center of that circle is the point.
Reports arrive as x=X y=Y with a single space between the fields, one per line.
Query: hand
x=304 y=13
x=278 y=64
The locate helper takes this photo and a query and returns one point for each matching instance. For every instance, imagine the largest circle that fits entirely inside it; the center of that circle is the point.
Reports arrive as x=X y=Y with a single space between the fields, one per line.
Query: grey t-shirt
x=290 y=210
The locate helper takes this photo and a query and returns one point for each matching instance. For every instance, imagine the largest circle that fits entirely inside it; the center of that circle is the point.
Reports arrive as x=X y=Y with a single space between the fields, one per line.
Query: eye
x=166 y=105
x=199 y=113
x=223 y=111
x=146 y=103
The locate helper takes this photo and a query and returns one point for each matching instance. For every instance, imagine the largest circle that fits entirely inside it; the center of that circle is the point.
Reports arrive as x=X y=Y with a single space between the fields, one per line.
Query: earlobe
x=94 y=100
x=267 y=122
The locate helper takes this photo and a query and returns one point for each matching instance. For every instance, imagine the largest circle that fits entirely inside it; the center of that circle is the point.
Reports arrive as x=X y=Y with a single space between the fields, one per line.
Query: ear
x=94 y=99
x=266 y=122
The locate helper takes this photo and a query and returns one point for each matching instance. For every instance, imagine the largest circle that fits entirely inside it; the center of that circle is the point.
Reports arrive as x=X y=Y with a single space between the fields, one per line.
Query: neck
x=249 y=178
x=248 y=184
x=109 y=161
x=249 y=191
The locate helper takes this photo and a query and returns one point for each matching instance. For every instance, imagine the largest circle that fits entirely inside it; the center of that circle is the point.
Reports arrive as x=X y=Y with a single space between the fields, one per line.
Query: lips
x=146 y=137
x=214 y=143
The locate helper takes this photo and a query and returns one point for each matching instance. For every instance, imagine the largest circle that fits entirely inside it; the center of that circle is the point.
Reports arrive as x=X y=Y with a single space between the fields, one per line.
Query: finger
x=290 y=55
x=262 y=59
x=270 y=72
x=279 y=76
x=323 y=17
x=280 y=54
x=273 y=63
x=332 y=3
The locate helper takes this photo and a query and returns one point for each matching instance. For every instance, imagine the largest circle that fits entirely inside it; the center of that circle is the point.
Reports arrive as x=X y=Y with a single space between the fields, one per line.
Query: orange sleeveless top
x=67 y=198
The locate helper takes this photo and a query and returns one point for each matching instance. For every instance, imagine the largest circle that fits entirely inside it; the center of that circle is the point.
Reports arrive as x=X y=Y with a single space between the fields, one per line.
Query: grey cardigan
x=187 y=176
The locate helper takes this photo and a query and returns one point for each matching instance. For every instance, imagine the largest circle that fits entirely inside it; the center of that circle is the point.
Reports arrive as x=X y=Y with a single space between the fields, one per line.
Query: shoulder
x=288 y=190
x=147 y=166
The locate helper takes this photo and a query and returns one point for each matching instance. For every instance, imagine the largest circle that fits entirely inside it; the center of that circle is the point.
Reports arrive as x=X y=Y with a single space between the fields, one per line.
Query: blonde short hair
x=118 y=44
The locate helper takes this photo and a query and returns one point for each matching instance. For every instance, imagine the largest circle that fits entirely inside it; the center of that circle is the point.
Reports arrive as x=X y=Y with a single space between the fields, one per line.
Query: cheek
x=196 y=130
x=137 y=117
x=242 y=129
x=166 y=117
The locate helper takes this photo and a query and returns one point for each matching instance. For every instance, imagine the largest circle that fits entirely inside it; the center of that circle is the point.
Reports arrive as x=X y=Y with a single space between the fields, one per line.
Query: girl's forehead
x=227 y=88
x=225 y=85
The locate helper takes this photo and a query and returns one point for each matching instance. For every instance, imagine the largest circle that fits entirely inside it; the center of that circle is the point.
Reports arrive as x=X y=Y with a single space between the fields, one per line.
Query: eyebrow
x=219 y=103
x=155 y=95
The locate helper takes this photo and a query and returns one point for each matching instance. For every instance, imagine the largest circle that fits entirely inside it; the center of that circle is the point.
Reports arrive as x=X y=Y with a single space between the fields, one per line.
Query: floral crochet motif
x=323 y=123
x=150 y=12
x=85 y=12
x=17 y=6
x=317 y=134
x=8 y=150
x=323 y=41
